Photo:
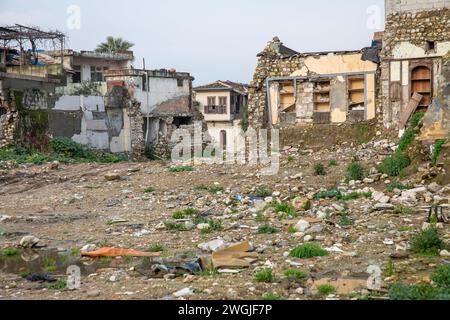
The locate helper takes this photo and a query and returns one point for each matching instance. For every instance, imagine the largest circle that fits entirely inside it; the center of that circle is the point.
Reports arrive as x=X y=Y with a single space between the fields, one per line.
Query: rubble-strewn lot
x=134 y=205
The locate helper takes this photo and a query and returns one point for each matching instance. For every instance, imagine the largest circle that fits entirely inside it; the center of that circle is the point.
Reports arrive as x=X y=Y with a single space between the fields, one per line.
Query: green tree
x=114 y=45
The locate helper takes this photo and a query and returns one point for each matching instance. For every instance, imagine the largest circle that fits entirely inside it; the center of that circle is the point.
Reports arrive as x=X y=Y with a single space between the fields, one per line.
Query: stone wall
x=270 y=64
x=415 y=28
x=414 y=5
x=407 y=36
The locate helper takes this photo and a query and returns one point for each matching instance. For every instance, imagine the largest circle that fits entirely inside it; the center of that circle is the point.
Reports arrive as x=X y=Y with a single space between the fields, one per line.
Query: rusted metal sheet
x=410 y=109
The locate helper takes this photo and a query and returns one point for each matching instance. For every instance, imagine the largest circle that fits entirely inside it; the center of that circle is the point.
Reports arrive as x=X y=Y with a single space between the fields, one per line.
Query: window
x=431 y=46
x=97 y=73
x=223 y=101
x=211 y=101
x=180 y=82
x=76 y=77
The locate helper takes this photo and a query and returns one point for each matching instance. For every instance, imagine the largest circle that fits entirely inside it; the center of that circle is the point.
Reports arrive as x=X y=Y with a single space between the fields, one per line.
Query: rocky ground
x=70 y=208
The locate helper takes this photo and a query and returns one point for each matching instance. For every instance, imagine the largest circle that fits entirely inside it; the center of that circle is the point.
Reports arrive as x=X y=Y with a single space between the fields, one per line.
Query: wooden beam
x=410 y=109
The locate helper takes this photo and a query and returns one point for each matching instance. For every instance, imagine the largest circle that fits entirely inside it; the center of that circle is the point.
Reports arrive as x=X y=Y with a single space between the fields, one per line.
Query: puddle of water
x=35 y=261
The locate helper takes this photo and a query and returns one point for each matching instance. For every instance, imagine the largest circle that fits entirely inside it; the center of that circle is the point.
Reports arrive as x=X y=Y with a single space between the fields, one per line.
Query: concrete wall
x=414 y=5
x=85 y=120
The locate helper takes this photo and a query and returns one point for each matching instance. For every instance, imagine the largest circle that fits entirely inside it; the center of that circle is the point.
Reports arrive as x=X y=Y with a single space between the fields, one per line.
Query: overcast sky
x=211 y=39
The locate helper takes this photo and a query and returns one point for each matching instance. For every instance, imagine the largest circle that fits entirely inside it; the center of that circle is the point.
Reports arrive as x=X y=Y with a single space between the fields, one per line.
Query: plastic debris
x=119 y=252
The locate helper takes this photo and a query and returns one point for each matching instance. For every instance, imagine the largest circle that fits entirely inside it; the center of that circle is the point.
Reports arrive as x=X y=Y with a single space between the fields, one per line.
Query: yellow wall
x=333 y=63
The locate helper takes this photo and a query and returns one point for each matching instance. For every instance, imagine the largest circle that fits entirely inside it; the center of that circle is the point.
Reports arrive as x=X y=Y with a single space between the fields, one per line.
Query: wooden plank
x=410 y=109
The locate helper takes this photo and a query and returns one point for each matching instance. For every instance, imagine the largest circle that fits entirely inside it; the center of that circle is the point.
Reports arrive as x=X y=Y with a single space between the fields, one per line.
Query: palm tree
x=114 y=45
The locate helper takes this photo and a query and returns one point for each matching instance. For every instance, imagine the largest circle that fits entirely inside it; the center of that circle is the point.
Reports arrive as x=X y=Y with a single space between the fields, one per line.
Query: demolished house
x=414 y=70
x=222 y=104
x=291 y=88
x=95 y=99
x=27 y=85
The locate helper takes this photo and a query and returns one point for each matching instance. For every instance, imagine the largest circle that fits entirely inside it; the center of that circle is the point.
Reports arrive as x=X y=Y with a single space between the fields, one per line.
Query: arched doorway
x=421 y=82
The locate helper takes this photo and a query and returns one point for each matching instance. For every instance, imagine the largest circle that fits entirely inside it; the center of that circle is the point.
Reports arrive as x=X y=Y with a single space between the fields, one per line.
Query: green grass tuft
x=295 y=274
x=427 y=242
x=307 y=251
x=267 y=229
x=326 y=289
x=266 y=276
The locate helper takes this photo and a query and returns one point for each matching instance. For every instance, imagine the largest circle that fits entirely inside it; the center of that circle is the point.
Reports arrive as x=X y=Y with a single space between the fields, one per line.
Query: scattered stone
x=29 y=242
x=112 y=176
x=213 y=246
x=184 y=293
x=93 y=293
x=384 y=206
x=302 y=225
x=444 y=253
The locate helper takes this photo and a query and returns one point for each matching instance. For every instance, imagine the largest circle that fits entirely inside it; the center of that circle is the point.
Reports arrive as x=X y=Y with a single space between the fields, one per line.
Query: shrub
x=394 y=165
x=307 y=251
x=178 y=215
x=355 y=171
x=406 y=139
x=290 y=158
x=113 y=158
x=427 y=242
x=417 y=292
x=175 y=226
x=295 y=274
x=326 y=289
x=441 y=276
x=262 y=192
x=415 y=119
x=149 y=190
x=437 y=151
x=68 y=147
x=150 y=153
x=396 y=185
x=292 y=230
x=266 y=276
x=58 y=285
x=10 y=252
x=319 y=169
x=266 y=229
x=346 y=221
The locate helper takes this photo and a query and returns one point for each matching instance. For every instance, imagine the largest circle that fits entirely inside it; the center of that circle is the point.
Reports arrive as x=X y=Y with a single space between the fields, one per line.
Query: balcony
x=215 y=110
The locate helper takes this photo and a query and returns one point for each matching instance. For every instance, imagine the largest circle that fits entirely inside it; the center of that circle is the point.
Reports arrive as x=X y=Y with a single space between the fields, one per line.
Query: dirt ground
x=74 y=205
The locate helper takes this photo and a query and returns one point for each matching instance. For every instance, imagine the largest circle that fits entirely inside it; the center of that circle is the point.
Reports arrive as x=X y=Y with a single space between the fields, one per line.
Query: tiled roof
x=224 y=85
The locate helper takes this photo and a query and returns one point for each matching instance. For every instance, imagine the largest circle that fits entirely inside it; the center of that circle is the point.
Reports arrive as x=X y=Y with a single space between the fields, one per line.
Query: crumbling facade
x=416 y=38
x=291 y=88
x=95 y=99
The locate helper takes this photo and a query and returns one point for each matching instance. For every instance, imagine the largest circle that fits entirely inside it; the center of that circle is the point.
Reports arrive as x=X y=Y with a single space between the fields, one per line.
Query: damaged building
x=96 y=99
x=291 y=88
x=414 y=67
x=222 y=104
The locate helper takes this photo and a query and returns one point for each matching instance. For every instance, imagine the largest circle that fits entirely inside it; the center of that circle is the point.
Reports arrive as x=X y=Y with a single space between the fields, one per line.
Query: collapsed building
x=291 y=88
x=415 y=43
x=404 y=70
x=96 y=99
